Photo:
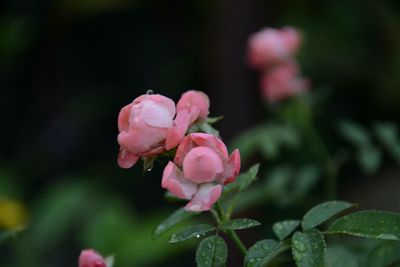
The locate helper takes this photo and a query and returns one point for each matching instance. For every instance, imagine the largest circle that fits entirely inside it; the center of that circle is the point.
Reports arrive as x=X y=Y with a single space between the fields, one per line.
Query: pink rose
x=196 y=103
x=90 y=258
x=200 y=169
x=282 y=82
x=147 y=128
x=270 y=46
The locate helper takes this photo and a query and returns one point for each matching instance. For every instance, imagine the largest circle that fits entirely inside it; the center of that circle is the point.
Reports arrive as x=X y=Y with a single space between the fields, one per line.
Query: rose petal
x=176 y=184
x=231 y=169
x=126 y=159
x=196 y=102
x=211 y=141
x=201 y=165
x=205 y=197
x=156 y=115
x=177 y=132
x=184 y=147
x=123 y=118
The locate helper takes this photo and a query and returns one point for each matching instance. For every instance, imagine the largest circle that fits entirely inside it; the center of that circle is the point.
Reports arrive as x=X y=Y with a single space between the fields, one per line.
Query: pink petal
x=177 y=132
x=123 y=118
x=126 y=159
x=291 y=39
x=211 y=141
x=184 y=147
x=201 y=165
x=176 y=184
x=90 y=258
x=160 y=100
x=231 y=168
x=205 y=197
x=156 y=115
x=196 y=102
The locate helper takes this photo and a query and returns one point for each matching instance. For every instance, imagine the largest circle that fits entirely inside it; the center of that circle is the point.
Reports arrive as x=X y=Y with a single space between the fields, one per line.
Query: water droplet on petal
x=149 y=92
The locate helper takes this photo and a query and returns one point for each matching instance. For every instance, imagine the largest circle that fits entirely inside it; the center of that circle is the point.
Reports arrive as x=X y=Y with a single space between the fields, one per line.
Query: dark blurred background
x=68 y=66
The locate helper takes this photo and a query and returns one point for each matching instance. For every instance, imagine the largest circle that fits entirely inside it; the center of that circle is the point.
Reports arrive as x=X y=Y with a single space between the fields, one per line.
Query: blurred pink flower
x=200 y=169
x=282 y=82
x=90 y=258
x=197 y=104
x=270 y=46
x=147 y=128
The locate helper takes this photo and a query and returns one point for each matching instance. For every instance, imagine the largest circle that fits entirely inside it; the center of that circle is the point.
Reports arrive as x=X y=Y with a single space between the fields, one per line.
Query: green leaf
x=369 y=158
x=239 y=224
x=175 y=218
x=336 y=256
x=213 y=120
x=109 y=261
x=243 y=180
x=308 y=248
x=263 y=252
x=285 y=228
x=323 y=212
x=191 y=232
x=388 y=135
x=370 y=224
x=212 y=252
x=384 y=254
x=207 y=128
x=354 y=133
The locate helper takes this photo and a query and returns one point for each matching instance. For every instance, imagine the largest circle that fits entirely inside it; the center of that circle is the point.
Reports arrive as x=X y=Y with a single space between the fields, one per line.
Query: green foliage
x=285 y=228
x=212 y=252
x=370 y=224
x=288 y=185
x=263 y=252
x=368 y=156
x=205 y=127
x=268 y=139
x=388 y=135
x=243 y=180
x=340 y=256
x=354 y=133
x=323 y=212
x=175 y=218
x=239 y=224
x=196 y=231
x=385 y=254
x=308 y=248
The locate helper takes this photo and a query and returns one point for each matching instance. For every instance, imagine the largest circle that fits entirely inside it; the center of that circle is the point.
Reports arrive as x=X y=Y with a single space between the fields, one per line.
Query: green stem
x=318 y=148
x=231 y=233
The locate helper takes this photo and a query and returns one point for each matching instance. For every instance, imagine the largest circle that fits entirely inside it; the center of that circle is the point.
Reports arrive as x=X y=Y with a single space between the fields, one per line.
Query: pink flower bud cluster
x=272 y=52
x=152 y=124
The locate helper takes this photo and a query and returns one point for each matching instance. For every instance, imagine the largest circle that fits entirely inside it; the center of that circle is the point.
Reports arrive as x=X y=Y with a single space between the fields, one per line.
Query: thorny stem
x=231 y=233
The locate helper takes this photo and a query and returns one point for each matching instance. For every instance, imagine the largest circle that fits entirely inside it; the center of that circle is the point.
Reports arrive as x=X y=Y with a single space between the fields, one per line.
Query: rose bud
x=196 y=103
x=283 y=82
x=90 y=258
x=200 y=169
x=147 y=128
x=270 y=46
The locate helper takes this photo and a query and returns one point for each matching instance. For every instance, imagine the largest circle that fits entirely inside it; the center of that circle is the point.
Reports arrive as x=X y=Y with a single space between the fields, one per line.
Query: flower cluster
x=272 y=52
x=152 y=124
